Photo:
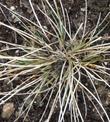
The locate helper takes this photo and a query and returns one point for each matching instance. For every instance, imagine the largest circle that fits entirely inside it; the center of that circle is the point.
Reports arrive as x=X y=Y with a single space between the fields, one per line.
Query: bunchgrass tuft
x=57 y=63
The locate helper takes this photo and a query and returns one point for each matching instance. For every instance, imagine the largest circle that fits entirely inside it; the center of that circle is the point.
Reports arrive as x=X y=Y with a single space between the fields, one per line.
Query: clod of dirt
x=8 y=110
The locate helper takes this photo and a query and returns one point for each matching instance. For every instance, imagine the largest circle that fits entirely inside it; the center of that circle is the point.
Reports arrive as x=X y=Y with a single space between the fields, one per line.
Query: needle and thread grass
x=54 y=62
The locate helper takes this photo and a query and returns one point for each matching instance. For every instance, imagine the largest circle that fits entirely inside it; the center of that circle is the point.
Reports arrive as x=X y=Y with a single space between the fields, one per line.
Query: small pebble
x=8 y=110
x=12 y=8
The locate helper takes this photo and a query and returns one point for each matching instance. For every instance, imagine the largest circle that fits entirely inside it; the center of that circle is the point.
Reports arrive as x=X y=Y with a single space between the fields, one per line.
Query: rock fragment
x=8 y=110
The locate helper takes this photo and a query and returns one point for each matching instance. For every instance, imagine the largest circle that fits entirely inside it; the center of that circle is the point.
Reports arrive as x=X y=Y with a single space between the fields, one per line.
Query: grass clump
x=57 y=63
